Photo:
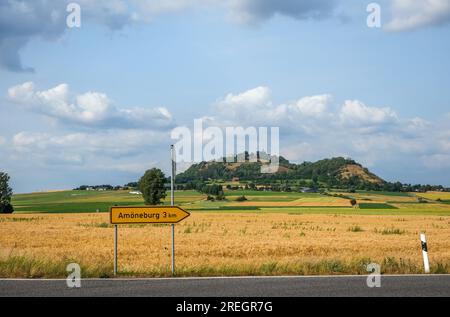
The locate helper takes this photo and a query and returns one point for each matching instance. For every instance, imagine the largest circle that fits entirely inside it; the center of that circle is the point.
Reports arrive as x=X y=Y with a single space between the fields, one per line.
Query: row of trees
x=108 y=187
x=298 y=185
x=5 y=195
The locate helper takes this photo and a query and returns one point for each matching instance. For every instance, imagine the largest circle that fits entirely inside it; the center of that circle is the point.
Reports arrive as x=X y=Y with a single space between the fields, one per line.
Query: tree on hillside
x=152 y=186
x=5 y=194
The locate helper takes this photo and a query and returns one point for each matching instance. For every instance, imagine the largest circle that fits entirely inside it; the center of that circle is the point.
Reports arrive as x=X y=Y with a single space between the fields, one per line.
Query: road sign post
x=147 y=214
x=115 y=250
x=150 y=214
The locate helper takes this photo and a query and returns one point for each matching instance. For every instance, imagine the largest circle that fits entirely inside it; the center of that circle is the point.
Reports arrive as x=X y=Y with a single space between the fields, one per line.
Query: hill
x=336 y=171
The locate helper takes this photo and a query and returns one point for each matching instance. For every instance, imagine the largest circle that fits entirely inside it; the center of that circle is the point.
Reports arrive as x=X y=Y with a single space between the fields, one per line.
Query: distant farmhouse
x=308 y=190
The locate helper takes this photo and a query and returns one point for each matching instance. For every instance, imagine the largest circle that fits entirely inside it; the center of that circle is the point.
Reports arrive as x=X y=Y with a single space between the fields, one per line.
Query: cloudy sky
x=96 y=104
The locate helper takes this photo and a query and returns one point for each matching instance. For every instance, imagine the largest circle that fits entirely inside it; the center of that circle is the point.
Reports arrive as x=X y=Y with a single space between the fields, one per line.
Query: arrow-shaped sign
x=157 y=214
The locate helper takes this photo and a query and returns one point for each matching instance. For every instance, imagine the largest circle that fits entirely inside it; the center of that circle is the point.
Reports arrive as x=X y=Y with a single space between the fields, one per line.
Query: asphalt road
x=411 y=285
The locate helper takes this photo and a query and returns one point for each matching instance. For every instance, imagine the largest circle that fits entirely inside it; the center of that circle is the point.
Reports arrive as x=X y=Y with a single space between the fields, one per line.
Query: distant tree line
x=101 y=187
x=131 y=185
x=281 y=186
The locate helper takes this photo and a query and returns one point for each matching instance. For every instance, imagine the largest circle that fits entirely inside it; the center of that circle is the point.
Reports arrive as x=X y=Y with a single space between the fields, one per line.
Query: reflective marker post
x=426 y=262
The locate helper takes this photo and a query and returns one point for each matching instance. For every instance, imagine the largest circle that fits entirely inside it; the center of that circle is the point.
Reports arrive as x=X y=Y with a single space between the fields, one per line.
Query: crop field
x=435 y=196
x=50 y=230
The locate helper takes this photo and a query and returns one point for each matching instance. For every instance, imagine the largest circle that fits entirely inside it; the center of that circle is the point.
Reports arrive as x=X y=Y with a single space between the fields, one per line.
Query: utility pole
x=172 y=203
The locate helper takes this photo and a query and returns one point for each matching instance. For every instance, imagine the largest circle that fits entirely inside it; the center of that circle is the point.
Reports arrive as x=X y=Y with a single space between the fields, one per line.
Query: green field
x=376 y=206
x=101 y=201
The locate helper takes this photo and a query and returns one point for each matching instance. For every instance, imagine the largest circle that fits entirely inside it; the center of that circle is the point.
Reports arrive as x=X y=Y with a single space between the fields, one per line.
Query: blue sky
x=140 y=68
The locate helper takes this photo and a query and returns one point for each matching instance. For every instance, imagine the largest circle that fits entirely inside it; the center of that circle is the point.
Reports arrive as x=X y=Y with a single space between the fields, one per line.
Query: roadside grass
x=27 y=267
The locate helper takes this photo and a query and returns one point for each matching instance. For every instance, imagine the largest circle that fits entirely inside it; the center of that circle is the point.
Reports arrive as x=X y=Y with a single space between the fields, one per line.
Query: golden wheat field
x=435 y=195
x=41 y=245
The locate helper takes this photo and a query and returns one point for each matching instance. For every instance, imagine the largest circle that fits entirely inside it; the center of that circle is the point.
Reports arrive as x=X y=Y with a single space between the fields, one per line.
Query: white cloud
x=120 y=150
x=413 y=14
x=115 y=143
x=356 y=113
x=91 y=109
x=314 y=106
x=255 y=107
x=251 y=99
x=248 y=106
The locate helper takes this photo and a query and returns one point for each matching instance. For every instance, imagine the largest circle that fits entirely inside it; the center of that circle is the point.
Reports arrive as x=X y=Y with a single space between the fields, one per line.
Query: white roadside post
x=172 y=203
x=426 y=263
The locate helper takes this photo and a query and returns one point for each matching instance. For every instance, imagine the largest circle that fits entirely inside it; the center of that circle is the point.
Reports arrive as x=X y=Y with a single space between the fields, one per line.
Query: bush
x=422 y=200
x=241 y=198
x=355 y=229
x=210 y=198
x=6 y=209
x=353 y=202
x=221 y=196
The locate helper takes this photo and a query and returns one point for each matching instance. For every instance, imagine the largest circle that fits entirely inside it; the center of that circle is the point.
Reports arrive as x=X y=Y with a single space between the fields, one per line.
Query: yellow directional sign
x=157 y=214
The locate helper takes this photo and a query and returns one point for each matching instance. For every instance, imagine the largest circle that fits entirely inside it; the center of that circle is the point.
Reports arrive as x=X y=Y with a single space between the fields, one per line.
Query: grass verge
x=25 y=267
